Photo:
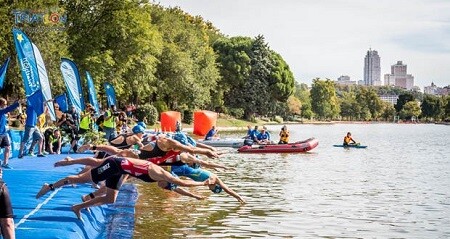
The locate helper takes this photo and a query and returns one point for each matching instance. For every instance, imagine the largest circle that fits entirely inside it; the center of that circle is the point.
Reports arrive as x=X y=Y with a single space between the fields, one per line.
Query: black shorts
x=5 y=202
x=4 y=141
x=110 y=170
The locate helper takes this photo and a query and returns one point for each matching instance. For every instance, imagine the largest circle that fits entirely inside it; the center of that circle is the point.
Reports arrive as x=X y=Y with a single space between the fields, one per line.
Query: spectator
x=68 y=126
x=109 y=123
x=6 y=211
x=86 y=119
x=75 y=116
x=53 y=141
x=4 y=138
x=31 y=131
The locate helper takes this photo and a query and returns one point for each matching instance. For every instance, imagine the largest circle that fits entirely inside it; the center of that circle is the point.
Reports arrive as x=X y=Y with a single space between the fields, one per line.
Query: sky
x=330 y=38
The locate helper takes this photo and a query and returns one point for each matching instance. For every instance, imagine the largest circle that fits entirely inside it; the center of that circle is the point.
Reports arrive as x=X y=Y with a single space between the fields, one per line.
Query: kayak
x=351 y=146
x=227 y=142
x=297 y=147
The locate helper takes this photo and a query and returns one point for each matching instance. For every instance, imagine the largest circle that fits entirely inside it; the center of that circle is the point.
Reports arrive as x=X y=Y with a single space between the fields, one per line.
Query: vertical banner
x=92 y=93
x=28 y=68
x=110 y=94
x=3 y=71
x=43 y=79
x=61 y=100
x=73 y=83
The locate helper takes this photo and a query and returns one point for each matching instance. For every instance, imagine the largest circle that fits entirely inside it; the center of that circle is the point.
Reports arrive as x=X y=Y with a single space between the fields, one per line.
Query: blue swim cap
x=180 y=137
x=191 y=141
x=138 y=129
x=217 y=189
x=141 y=123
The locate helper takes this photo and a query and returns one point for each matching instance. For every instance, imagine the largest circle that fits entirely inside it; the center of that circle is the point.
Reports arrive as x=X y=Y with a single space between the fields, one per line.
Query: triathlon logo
x=53 y=19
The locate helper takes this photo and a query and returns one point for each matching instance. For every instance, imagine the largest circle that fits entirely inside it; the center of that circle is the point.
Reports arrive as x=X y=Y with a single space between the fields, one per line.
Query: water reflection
x=397 y=187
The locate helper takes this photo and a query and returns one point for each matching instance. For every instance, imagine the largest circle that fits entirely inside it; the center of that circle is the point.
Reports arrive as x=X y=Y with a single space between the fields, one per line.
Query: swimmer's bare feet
x=84 y=148
x=77 y=212
x=64 y=162
x=45 y=188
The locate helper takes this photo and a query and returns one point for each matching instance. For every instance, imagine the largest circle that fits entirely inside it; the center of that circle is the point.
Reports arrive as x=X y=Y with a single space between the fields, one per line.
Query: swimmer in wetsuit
x=125 y=141
x=110 y=170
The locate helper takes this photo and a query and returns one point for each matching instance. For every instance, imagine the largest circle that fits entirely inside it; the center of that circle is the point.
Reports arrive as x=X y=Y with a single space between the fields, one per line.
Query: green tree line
x=175 y=61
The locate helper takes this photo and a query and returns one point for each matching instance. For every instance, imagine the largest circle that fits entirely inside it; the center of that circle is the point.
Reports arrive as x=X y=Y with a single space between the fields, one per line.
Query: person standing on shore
x=4 y=138
x=6 y=211
x=284 y=135
x=31 y=131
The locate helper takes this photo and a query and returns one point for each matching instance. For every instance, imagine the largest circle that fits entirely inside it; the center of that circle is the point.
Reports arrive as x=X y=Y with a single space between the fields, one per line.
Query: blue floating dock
x=51 y=215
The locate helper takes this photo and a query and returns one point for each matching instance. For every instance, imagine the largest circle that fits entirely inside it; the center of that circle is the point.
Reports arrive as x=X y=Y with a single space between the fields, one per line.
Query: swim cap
x=217 y=189
x=138 y=129
x=180 y=137
x=141 y=123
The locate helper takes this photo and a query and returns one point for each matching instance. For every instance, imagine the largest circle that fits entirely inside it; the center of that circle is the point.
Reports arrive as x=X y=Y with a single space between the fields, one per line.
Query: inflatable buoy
x=169 y=120
x=204 y=121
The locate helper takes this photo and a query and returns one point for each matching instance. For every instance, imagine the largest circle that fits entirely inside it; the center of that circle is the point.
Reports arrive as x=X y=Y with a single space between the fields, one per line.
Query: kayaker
x=284 y=135
x=348 y=139
x=212 y=133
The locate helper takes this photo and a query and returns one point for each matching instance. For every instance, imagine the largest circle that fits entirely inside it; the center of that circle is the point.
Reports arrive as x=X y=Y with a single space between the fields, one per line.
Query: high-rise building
x=345 y=80
x=372 y=68
x=399 y=76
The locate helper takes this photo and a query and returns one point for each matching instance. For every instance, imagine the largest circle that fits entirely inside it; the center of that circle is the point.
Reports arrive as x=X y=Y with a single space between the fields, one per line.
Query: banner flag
x=72 y=80
x=43 y=79
x=110 y=94
x=28 y=68
x=36 y=100
x=61 y=100
x=92 y=93
x=3 y=71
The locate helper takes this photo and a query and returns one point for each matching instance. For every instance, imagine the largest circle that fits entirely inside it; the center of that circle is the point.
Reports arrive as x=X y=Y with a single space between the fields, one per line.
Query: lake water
x=398 y=187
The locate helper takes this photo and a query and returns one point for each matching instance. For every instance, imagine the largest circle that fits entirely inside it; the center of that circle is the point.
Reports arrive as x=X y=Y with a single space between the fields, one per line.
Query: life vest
x=86 y=121
x=111 y=122
x=347 y=139
x=284 y=136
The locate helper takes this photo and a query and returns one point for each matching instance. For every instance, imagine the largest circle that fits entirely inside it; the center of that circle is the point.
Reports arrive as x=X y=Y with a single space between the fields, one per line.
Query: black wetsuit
x=122 y=145
x=113 y=168
x=5 y=201
x=155 y=152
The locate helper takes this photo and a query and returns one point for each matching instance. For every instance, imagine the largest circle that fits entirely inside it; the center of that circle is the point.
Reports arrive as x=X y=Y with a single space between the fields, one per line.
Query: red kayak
x=297 y=147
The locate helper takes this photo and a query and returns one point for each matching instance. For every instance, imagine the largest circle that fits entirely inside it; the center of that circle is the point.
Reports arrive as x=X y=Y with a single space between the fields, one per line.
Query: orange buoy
x=203 y=121
x=169 y=120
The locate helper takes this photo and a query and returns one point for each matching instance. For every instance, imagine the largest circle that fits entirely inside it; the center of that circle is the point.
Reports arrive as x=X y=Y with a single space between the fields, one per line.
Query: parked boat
x=227 y=142
x=297 y=147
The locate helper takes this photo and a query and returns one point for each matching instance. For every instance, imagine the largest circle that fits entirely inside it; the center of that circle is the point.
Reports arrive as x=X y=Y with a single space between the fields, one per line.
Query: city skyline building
x=399 y=76
x=372 y=69
x=345 y=80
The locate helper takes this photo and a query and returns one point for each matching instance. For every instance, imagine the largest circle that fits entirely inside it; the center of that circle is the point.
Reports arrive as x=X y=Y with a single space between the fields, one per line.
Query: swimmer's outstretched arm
x=84 y=161
x=228 y=190
x=185 y=192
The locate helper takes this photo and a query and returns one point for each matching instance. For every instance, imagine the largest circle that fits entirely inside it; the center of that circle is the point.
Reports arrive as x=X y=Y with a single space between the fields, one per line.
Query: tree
x=294 y=105
x=410 y=109
x=117 y=42
x=349 y=105
x=324 y=101
x=388 y=111
x=402 y=100
x=432 y=107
